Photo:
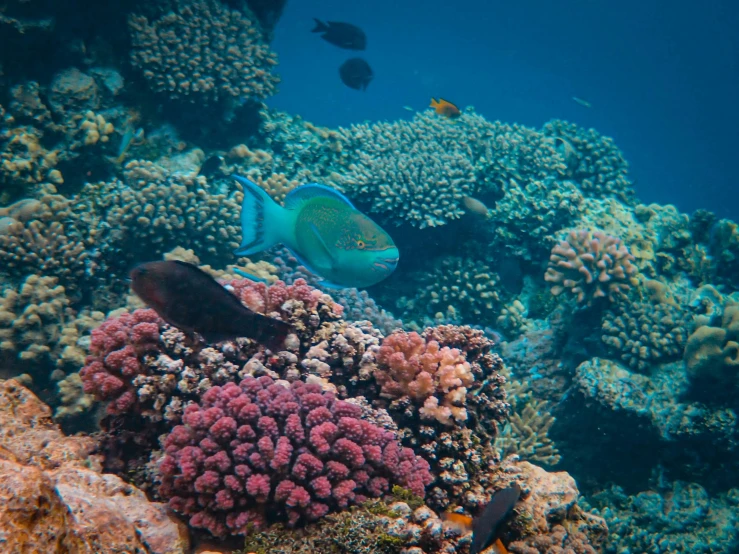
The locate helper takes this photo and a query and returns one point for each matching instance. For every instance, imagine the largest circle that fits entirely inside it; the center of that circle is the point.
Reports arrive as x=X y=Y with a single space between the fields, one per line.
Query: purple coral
x=591 y=265
x=292 y=450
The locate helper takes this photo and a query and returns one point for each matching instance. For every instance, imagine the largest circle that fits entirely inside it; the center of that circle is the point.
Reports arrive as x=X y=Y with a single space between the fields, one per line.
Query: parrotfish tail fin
x=261 y=219
x=321 y=27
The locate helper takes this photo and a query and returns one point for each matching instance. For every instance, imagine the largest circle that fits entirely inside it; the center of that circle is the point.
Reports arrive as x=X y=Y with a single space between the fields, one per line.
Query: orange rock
x=53 y=498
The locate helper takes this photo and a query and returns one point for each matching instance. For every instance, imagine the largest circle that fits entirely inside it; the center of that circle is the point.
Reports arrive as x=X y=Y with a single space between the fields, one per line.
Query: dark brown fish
x=356 y=73
x=486 y=526
x=211 y=166
x=343 y=35
x=190 y=299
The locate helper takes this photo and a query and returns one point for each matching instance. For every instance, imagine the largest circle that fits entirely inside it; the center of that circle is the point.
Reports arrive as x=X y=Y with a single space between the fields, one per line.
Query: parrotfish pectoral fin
x=304 y=193
x=330 y=258
x=249 y=276
x=262 y=219
x=330 y=285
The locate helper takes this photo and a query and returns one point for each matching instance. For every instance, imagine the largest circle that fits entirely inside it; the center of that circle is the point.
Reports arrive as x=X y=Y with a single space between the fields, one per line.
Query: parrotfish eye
x=361 y=244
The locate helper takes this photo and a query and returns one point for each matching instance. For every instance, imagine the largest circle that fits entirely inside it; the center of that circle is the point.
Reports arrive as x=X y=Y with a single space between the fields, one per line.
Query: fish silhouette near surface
x=485 y=528
x=445 y=108
x=324 y=231
x=191 y=300
x=343 y=35
x=356 y=73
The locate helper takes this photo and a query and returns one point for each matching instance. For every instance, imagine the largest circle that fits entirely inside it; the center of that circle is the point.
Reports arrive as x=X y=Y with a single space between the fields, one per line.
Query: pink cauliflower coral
x=435 y=376
x=115 y=350
x=262 y=447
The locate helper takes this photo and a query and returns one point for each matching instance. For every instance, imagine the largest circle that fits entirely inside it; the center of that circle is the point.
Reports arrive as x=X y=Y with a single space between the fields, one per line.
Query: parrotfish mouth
x=386 y=264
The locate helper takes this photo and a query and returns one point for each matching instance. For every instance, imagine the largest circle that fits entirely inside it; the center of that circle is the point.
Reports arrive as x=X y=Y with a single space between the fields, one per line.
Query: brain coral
x=204 y=51
x=266 y=447
x=590 y=265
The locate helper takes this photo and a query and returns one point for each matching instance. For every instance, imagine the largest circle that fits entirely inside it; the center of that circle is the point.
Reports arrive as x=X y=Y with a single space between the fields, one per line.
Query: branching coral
x=204 y=51
x=415 y=172
x=592 y=160
x=590 y=265
x=462 y=289
x=432 y=376
x=292 y=450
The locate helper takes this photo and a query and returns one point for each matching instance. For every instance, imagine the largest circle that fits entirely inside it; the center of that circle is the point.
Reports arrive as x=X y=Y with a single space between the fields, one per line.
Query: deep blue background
x=662 y=76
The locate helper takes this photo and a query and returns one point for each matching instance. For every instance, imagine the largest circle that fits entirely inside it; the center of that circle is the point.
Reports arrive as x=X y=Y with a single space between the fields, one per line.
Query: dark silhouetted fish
x=486 y=526
x=190 y=299
x=343 y=35
x=356 y=73
x=211 y=166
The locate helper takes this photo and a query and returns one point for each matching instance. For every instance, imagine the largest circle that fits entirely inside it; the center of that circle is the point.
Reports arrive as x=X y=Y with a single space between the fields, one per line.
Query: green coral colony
x=574 y=334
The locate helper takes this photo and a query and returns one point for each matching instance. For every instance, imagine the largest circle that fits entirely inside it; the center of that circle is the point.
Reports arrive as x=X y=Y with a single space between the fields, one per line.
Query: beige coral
x=590 y=265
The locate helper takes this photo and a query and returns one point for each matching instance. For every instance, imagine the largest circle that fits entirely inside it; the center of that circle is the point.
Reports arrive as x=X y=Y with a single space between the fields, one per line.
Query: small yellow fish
x=582 y=102
x=445 y=108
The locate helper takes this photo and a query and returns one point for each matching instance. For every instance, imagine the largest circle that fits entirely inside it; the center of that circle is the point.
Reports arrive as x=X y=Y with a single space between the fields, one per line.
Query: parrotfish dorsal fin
x=313 y=190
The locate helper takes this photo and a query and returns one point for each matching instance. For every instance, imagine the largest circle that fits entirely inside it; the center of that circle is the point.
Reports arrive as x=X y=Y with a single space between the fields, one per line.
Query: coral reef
x=286 y=448
x=590 y=265
x=53 y=497
x=673 y=518
x=592 y=160
x=712 y=356
x=431 y=376
x=203 y=52
x=643 y=333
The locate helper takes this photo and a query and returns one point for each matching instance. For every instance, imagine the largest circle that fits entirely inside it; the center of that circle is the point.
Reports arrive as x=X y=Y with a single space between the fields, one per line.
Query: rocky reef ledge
x=54 y=497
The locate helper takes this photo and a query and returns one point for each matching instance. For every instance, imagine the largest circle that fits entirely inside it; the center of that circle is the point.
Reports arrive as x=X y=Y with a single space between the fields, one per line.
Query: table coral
x=590 y=265
x=203 y=52
x=292 y=450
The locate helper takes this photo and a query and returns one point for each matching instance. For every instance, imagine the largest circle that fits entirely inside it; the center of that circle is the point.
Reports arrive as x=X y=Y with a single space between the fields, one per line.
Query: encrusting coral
x=590 y=265
x=204 y=51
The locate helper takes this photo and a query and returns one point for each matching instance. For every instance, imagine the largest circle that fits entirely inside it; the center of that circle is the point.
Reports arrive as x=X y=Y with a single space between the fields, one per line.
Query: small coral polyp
x=291 y=451
x=591 y=265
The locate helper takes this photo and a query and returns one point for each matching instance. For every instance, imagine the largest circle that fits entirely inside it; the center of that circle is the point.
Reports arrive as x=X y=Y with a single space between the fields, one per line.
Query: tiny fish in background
x=445 y=108
x=191 y=300
x=211 y=166
x=473 y=205
x=343 y=35
x=408 y=108
x=356 y=73
x=582 y=102
x=324 y=231
x=129 y=137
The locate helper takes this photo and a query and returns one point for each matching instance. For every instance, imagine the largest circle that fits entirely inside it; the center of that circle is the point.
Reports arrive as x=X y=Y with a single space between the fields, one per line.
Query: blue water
x=662 y=77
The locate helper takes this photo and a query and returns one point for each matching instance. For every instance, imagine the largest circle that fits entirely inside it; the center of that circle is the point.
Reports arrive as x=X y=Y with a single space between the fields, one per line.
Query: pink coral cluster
x=278 y=299
x=115 y=350
x=288 y=450
x=430 y=374
x=591 y=265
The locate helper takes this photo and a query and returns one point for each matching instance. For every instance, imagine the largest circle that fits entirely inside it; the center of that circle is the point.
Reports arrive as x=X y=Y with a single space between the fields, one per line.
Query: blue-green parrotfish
x=324 y=231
